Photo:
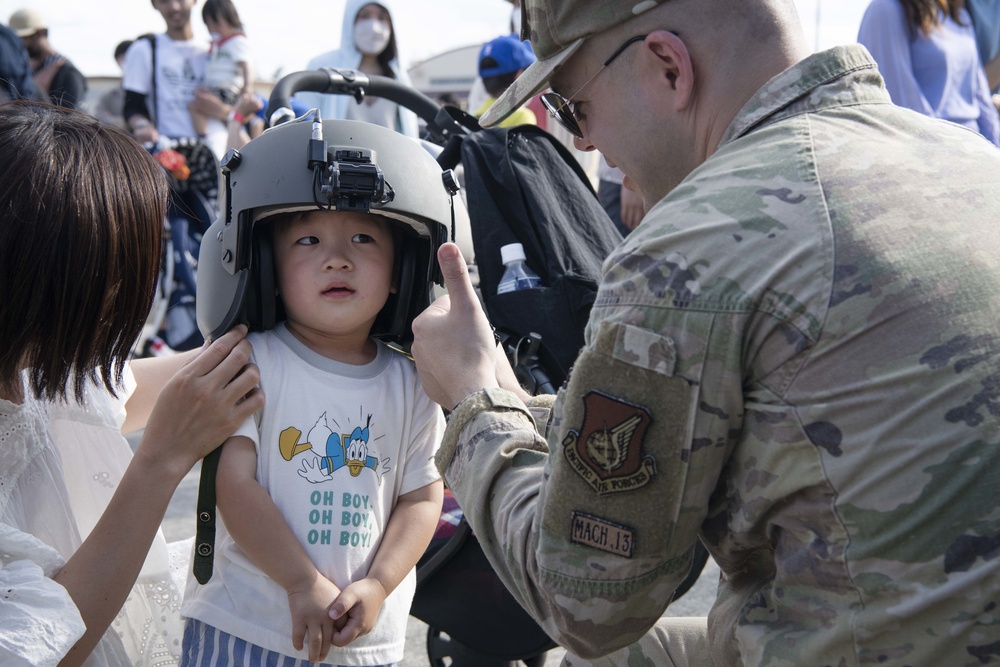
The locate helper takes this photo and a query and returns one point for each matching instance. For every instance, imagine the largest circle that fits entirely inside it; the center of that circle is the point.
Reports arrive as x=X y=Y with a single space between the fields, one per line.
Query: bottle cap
x=511 y=253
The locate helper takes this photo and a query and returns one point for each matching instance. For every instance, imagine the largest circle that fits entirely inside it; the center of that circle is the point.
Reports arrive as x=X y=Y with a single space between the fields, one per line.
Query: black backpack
x=524 y=186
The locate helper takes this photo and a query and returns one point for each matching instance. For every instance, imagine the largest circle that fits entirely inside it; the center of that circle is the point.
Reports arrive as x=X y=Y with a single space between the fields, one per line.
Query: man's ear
x=676 y=70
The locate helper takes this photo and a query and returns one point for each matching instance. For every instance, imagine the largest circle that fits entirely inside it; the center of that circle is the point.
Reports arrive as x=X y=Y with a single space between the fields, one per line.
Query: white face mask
x=371 y=36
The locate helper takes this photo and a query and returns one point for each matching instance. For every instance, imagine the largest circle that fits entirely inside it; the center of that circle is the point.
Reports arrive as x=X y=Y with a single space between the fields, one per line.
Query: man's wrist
x=235 y=115
x=490 y=398
x=459 y=404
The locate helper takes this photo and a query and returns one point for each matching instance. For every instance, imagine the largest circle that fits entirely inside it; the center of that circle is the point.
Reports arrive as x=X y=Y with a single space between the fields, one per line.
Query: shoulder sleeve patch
x=607 y=450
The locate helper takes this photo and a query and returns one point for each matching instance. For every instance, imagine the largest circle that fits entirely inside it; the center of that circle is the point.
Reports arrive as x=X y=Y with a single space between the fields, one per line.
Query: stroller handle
x=440 y=125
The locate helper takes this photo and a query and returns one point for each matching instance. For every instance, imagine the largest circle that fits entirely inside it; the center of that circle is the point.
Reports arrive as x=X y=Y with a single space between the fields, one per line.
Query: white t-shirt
x=222 y=73
x=337 y=445
x=180 y=69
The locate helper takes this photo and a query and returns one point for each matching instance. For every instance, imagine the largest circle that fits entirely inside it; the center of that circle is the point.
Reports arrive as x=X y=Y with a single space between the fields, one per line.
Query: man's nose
x=583 y=144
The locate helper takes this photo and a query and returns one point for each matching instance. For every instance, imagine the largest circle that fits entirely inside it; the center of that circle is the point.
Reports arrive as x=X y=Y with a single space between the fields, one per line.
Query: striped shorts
x=207 y=646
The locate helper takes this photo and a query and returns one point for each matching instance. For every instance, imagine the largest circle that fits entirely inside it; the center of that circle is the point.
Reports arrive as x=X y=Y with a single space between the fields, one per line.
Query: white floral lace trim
x=157 y=642
x=24 y=434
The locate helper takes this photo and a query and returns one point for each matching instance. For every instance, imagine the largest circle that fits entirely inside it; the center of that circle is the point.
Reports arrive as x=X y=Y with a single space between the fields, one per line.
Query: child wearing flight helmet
x=329 y=497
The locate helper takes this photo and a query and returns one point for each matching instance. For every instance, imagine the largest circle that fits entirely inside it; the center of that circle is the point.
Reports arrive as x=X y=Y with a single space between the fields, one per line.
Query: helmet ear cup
x=261 y=300
x=393 y=321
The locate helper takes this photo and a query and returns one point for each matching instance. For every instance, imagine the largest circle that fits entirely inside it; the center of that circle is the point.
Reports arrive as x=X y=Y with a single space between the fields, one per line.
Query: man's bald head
x=558 y=29
x=683 y=71
x=738 y=43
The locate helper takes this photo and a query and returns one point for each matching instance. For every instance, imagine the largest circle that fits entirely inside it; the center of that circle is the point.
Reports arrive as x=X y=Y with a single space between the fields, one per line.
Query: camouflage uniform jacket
x=796 y=358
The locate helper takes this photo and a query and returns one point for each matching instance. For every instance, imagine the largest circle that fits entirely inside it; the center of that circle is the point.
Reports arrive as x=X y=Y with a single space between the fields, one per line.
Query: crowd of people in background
x=939 y=58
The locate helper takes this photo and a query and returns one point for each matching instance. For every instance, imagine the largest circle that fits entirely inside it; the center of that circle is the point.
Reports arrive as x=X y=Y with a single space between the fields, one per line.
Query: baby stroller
x=473 y=620
x=193 y=174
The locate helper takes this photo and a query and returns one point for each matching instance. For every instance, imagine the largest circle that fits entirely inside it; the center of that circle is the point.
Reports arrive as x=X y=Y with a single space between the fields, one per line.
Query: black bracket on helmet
x=349 y=180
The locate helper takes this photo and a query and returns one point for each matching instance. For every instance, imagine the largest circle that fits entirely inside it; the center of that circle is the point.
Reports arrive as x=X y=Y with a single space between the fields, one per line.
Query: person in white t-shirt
x=229 y=73
x=329 y=496
x=157 y=98
x=161 y=78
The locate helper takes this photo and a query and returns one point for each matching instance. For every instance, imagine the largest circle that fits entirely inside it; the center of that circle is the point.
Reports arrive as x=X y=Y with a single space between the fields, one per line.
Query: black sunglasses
x=561 y=108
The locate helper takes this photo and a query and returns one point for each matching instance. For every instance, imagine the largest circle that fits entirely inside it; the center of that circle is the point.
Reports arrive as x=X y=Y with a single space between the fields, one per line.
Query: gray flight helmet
x=333 y=165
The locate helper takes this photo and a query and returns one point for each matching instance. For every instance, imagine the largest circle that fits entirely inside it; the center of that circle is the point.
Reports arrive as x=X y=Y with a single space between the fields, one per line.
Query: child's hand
x=248 y=104
x=311 y=623
x=356 y=610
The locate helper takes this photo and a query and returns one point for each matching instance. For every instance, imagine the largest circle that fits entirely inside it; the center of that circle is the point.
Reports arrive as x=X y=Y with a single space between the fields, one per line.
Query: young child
x=329 y=497
x=229 y=71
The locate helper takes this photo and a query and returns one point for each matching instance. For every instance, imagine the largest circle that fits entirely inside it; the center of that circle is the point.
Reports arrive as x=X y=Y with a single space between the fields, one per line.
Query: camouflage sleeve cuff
x=544 y=401
x=465 y=412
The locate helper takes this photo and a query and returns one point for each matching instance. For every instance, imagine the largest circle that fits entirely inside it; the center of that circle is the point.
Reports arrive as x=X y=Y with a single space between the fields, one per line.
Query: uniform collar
x=843 y=75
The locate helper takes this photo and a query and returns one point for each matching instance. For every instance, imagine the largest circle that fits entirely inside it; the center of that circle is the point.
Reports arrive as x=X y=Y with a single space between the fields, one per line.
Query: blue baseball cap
x=508 y=54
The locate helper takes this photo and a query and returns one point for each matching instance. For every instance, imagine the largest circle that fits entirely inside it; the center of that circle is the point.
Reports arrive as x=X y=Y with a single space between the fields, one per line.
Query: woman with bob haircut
x=81 y=217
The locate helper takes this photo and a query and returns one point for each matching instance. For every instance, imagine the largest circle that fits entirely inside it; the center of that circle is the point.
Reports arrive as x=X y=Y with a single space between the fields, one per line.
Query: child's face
x=219 y=26
x=214 y=26
x=334 y=272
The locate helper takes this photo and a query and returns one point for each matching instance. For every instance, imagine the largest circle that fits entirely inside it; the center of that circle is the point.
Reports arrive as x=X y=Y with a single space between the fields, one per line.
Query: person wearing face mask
x=367 y=44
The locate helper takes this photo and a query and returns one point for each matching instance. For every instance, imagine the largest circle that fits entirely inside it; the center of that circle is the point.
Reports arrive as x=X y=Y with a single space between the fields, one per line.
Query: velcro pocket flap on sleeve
x=619 y=469
x=645 y=349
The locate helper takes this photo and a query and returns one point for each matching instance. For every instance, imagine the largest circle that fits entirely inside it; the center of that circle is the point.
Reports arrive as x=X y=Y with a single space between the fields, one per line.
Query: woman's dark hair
x=389 y=52
x=81 y=220
x=924 y=15
x=222 y=9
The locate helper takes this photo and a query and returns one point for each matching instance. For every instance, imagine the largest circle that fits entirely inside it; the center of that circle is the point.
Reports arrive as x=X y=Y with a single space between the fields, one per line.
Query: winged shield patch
x=607 y=449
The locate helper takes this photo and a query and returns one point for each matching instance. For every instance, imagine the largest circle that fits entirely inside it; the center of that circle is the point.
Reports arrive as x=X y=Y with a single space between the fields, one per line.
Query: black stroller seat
x=458 y=590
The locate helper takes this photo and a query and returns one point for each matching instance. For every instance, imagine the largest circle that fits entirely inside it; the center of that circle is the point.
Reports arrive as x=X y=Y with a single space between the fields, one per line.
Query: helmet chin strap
x=452 y=187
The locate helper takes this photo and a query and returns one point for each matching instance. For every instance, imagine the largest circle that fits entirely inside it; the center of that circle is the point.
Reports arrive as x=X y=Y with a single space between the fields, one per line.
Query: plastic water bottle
x=517 y=275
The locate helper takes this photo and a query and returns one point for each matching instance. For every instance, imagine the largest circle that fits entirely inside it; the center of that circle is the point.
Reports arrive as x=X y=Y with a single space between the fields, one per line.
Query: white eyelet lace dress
x=59 y=465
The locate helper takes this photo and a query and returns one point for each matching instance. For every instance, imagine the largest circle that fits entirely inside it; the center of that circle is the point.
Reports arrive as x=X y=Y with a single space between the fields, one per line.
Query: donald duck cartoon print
x=341 y=450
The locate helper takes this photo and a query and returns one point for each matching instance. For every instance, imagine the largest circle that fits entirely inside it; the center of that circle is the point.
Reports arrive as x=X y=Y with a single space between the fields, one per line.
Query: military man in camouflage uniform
x=794 y=358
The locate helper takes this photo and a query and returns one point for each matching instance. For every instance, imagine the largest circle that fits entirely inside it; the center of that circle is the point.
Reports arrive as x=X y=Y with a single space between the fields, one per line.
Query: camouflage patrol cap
x=557 y=28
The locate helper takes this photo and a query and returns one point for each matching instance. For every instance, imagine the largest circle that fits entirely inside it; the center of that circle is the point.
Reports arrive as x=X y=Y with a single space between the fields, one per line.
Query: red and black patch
x=607 y=450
